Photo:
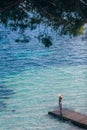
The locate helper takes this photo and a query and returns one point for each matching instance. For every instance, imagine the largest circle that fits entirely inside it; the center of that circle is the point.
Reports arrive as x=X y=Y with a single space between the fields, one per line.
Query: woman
x=60 y=103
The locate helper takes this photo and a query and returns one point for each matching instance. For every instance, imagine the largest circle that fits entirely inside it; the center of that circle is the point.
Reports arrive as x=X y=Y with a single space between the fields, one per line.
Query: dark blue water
x=16 y=57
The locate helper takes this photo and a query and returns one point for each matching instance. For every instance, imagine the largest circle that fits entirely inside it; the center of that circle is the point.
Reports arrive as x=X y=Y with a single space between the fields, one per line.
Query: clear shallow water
x=31 y=78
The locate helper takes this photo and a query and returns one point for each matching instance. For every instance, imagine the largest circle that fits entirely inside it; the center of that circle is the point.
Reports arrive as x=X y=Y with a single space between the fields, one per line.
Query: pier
x=70 y=115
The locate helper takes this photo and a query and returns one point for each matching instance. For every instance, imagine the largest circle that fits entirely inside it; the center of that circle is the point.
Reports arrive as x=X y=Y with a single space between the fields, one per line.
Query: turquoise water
x=32 y=77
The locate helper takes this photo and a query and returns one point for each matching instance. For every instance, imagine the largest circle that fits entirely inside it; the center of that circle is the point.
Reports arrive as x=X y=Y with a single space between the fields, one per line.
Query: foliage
x=69 y=15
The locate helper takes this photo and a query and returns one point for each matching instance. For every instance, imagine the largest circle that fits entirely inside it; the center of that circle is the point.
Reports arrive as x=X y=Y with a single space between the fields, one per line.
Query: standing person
x=60 y=103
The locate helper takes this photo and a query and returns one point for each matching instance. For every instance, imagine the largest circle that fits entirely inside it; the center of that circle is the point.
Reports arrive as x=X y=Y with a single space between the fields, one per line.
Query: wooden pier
x=70 y=115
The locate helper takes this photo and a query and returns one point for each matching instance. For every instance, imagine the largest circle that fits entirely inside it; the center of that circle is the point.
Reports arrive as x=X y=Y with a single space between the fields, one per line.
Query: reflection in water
x=66 y=17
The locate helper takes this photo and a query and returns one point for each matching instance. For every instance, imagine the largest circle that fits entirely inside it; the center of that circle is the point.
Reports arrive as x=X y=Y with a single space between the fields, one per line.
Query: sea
x=32 y=76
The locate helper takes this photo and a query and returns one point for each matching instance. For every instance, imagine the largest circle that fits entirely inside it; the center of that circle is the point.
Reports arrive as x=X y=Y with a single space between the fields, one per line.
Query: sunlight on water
x=36 y=93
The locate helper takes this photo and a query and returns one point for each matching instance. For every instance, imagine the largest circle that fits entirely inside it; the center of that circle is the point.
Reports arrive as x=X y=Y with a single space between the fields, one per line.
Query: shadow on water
x=5 y=93
x=66 y=17
x=71 y=125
